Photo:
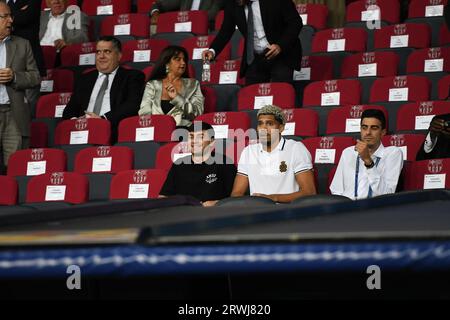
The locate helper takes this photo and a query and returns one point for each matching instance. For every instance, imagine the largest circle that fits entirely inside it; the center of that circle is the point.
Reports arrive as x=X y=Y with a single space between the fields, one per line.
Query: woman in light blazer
x=170 y=90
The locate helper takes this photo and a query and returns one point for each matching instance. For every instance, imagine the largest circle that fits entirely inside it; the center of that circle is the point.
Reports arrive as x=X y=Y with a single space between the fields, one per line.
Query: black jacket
x=442 y=147
x=125 y=96
x=282 y=25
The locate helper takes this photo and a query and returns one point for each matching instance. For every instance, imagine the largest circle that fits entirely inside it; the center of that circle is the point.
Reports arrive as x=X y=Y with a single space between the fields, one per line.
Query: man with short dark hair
x=276 y=168
x=110 y=92
x=203 y=175
x=368 y=169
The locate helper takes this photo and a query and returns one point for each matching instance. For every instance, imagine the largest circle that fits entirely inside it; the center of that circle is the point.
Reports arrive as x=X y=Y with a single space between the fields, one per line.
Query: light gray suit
x=19 y=57
x=212 y=6
x=70 y=36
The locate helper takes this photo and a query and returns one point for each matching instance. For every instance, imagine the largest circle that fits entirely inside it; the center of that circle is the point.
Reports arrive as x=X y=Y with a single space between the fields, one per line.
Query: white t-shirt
x=274 y=172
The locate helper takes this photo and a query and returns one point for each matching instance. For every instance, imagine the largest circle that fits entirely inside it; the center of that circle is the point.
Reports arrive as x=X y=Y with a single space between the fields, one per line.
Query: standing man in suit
x=110 y=92
x=212 y=6
x=18 y=71
x=271 y=30
x=55 y=29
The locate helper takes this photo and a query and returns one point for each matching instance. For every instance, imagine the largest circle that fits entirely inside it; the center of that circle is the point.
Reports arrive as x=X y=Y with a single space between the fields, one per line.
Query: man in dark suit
x=272 y=45
x=437 y=142
x=212 y=6
x=110 y=92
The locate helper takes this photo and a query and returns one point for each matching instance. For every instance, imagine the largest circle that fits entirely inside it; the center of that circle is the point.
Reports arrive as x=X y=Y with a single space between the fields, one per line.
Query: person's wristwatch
x=369 y=166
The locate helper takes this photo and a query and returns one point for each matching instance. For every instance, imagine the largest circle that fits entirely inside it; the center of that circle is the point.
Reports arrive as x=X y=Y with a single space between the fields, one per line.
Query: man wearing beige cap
x=275 y=168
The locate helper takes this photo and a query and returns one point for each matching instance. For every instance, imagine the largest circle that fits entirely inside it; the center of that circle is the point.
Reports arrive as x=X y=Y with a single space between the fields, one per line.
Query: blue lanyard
x=357 y=175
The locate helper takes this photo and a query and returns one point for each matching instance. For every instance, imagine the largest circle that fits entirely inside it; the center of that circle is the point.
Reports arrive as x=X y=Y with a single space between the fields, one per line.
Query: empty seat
x=83 y=131
x=68 y=187
x=429 y=174
x=339 y=40
x=137 y=184
x=444 y=88
x=429 y=12
x=417 y=116
x=80 y=54
x=126 y=26
x=147 y=128
x=8 y=196
x=106 y=7
x=179 y=25
x=332 y=93
x=104 y=159
x=143 y=50
x=32 y=162
x=370 y=64
x=373 y=10
x=210 y=99
x=196 y=45
x=257 y=96
x=444 y=36
x=408 y=143
x=49 y=53
x=227 y=125
x=327 y=150
x=313 y=15
x=301 y=123
x=144 y=6
x=408 y=35
x=401 y=88
x=171 y=152
x=429 y=60
x=38 y=134
x=57 y=80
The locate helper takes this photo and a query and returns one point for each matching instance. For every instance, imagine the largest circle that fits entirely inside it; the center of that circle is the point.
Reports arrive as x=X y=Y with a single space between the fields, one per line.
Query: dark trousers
x=263 y=70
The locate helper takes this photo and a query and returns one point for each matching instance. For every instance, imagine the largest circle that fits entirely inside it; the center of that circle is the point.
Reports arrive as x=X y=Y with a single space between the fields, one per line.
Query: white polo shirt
x=274 y=172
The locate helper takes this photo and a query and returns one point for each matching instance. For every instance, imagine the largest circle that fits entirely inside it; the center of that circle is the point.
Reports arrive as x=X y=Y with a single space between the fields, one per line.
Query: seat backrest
x=8 y=196
x=196 y=45
x=429 y=60
x=426 y=8
x=106 y=7
x=210 y=99
x=157 y=128
x=369 y=10
x=256 y=96
x=49 y=53
x=69 y=187
x=347 y=119
x=315 y=68
x=104 y=159
x=144 y=6
x=219 y=20
x=343 y=39
x=370 y=64
x=444 y=35
x=225 y=72
x=129 y=24
x=32 y=162
x=143 y=50
x=227 y=124
x=171 y=152
x=418 y=115
x=444 y=88
x=137 y=184
x=314 y=15
x=327 y=149
x=57 y=80
x=429 y=174
x=400 y=88
x=195 y=22
x=411 y=35
x=38 y=134
x=408 y=143
x=79 y=54
x=83 y=131
x=301 y=122
x=52 y=105
x=332 y=93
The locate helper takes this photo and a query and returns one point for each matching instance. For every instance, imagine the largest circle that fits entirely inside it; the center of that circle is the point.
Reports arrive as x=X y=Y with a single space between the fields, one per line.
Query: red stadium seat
x=210 y=99
x=408 y=35
x=32 y=162
x=370 y=64
x=103 y=159
x=401 y=88
x=8 y=196
x=196 y=45
x=418 y=115
x=429 y=174
x=52 y=105
x=256 y=96
x=332 y=93
x=346 y=119
x=137 y=184
x=339 y=40
x=384 y=10
x=326 y=150
x=144 y=6
x=134 y=24
x=426 y=8
x=195 y=22
x=444 y=88
x=315 y=68
x=301 y=123
x=144 y=50
x=38 y=135
x=219 y=20
x=147 y=128
x=49 y=53
x=80 y=54
x=225 y=72
x=106 y=7
x=429 y=60
x=409 y=143
x=314 y=15
x=444 y=35
x=169 y=153
x=57 y=80
x=227 y=125
x=58 y=186
x=83 y=131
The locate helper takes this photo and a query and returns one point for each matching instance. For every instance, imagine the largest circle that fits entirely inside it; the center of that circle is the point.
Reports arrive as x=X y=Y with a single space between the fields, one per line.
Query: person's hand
x=6 y=75
x=272 y=197
x=91 y=115
x=363 y=151
x=59 y=44
x=436 y=127
x=210 y=203
x=154 y=17
x=207 y=55
x=171 y=91
x=274 y=50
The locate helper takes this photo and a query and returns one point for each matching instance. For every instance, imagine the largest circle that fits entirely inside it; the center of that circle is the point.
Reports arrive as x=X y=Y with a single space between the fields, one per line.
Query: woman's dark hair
x=159 y=71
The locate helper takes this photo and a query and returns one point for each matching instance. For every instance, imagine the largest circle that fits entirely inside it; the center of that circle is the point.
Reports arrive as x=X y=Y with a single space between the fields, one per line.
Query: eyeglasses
x=6 y=16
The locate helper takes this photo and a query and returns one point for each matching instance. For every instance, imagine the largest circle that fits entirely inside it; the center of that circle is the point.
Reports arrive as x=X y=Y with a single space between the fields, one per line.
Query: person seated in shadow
x=437 y=142
x=170 y=90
